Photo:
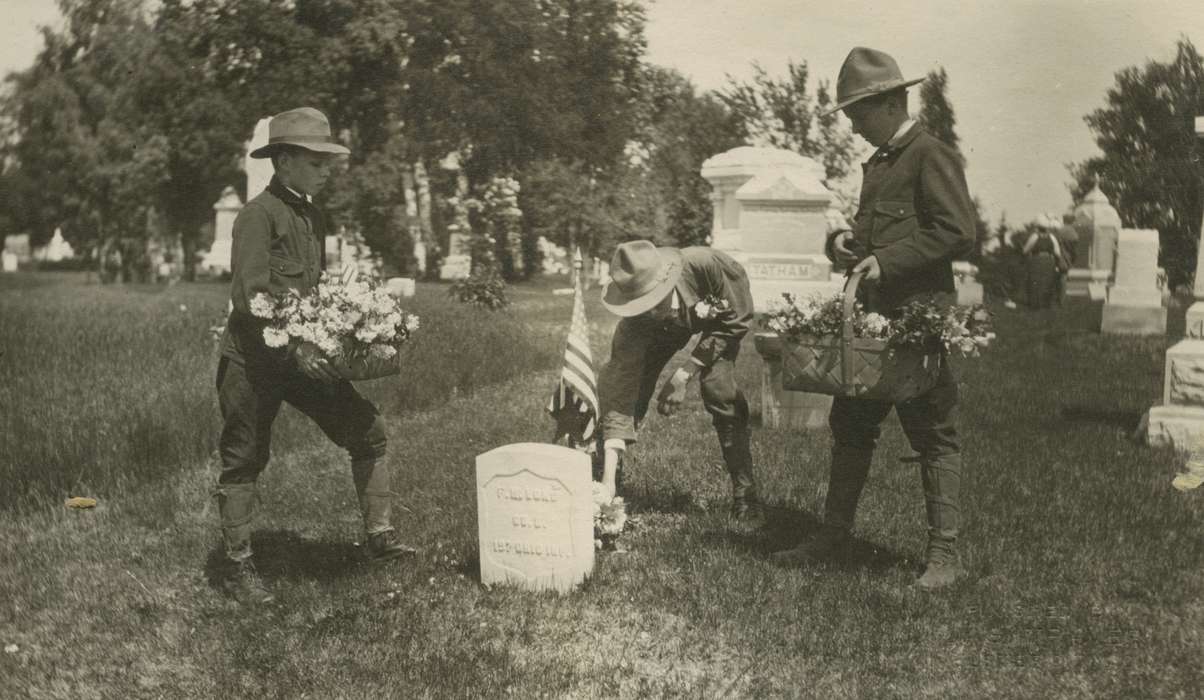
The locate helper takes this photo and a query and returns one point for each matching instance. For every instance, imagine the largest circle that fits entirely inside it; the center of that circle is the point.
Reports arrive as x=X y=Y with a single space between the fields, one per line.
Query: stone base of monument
x=1180 y=427
x=1093 y=284
x=535 y=516
x=1126 y=319
x=799 y=410
x=455 y=267
x=1195 y=320
x=400 y=287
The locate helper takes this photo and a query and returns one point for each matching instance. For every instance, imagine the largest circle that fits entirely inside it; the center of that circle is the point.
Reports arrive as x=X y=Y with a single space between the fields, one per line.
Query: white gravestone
x=535 y=516
x=10 y=261
x=400 y=287
x=1179 y=421
x=225 y=210
x=259 y=170
x=1134 y=305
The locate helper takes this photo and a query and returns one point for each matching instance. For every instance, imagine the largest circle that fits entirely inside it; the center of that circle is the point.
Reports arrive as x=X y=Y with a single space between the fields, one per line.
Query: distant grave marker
x=535 y=516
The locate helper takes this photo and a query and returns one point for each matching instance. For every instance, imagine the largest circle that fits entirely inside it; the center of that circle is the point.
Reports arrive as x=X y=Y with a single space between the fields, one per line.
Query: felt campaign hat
x=305 y=127
x=641 y=276
x=867 y=72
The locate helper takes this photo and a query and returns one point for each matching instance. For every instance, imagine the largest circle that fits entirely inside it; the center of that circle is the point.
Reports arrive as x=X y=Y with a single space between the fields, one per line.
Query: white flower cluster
x=964 y=329
x=610 y=515
x=347 y=316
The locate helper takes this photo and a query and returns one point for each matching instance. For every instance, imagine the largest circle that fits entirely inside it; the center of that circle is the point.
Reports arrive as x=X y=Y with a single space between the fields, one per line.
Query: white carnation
x=262 y=305
x=275 y=337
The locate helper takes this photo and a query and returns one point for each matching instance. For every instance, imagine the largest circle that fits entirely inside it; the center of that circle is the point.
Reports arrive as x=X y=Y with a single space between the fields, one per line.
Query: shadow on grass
x=282 y=555
x=1126 y=420
x=786 y=528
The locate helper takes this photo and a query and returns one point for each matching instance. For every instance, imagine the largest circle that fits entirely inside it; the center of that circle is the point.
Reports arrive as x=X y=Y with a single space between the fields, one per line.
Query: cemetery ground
x=1085 y=567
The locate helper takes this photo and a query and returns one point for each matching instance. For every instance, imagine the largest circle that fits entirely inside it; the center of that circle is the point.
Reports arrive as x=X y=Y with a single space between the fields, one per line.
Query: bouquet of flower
x=353 y=321
x=921 y=324
x=610 y=517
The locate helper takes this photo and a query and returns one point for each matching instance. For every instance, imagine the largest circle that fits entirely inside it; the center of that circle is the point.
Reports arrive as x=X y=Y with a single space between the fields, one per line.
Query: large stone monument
x=535 y=516
x=217 y=260
x=1134 y=305
x=1097 y=224
x=1179 y=420
x=771 y=213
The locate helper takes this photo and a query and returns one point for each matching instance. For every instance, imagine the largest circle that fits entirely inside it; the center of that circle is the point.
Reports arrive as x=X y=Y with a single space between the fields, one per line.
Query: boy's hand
x=673 y=392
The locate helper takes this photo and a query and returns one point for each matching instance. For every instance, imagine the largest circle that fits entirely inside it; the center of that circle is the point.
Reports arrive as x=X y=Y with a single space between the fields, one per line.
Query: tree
x=80 y=153
x=1149 y=167
x=680 y=129
x=783 y=114
x=936 y=114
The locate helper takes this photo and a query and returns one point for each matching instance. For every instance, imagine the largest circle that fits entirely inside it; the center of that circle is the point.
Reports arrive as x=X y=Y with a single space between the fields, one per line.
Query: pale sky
x=1022 y=73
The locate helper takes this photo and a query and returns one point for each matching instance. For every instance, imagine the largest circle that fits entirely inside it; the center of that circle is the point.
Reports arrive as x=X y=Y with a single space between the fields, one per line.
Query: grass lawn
x=1086 y=567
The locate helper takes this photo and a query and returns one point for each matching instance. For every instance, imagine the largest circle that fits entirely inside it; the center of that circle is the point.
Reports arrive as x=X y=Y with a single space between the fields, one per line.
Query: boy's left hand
x=673 y=393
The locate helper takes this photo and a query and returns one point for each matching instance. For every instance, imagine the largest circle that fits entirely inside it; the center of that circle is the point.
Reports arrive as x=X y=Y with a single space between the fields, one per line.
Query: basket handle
x=846 y=330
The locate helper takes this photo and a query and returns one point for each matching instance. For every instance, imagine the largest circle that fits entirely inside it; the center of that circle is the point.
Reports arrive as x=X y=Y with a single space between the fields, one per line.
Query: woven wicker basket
x=362 y=368
x=858 y=368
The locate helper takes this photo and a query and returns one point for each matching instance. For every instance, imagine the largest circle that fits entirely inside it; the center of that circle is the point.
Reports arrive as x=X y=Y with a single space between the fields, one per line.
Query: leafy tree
x=80 y=153
x=936 y=114
x=782 y=113
x=681 y=128
x=1149 y=168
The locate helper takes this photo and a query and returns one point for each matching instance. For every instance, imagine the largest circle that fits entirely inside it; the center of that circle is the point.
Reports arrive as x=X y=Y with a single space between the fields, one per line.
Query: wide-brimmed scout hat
x=867 y=72
x=641 y=276
x=305 y=127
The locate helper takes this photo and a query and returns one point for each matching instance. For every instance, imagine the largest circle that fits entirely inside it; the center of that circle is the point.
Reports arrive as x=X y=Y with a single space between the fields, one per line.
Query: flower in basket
x=610 y=517
x=921 y=324
x=926 y=324
x=710 y=307
x=354 y=321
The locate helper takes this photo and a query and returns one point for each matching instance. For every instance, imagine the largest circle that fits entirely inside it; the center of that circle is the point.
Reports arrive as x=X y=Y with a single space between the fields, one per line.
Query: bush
x=486 y=290
x=1001 y=274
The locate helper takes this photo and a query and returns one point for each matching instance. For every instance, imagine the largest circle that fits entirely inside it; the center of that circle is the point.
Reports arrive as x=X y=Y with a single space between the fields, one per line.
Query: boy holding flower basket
x=279 y=254
x=914 y=216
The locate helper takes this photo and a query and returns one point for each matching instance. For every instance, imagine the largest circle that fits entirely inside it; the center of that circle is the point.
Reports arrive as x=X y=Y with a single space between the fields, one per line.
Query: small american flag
x=574 y=402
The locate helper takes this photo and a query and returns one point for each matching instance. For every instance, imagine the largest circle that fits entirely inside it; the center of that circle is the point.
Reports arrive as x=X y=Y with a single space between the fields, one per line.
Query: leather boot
x=371 y=478
x=846 y=478
x=734 y=441
x=236 y=508
x=942 y=482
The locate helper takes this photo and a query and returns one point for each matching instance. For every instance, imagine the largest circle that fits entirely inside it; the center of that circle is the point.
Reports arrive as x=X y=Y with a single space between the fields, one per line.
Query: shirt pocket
x=894 y=220
x=285 y=273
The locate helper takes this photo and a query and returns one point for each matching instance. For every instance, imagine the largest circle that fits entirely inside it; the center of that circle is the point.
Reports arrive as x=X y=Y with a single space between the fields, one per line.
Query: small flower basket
x=857 y=368
x=356 y=324
x=367 y=367
x=830 y=346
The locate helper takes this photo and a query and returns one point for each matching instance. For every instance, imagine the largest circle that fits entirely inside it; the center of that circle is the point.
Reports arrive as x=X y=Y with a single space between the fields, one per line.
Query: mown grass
x=105 y=388
x=1085 y=566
